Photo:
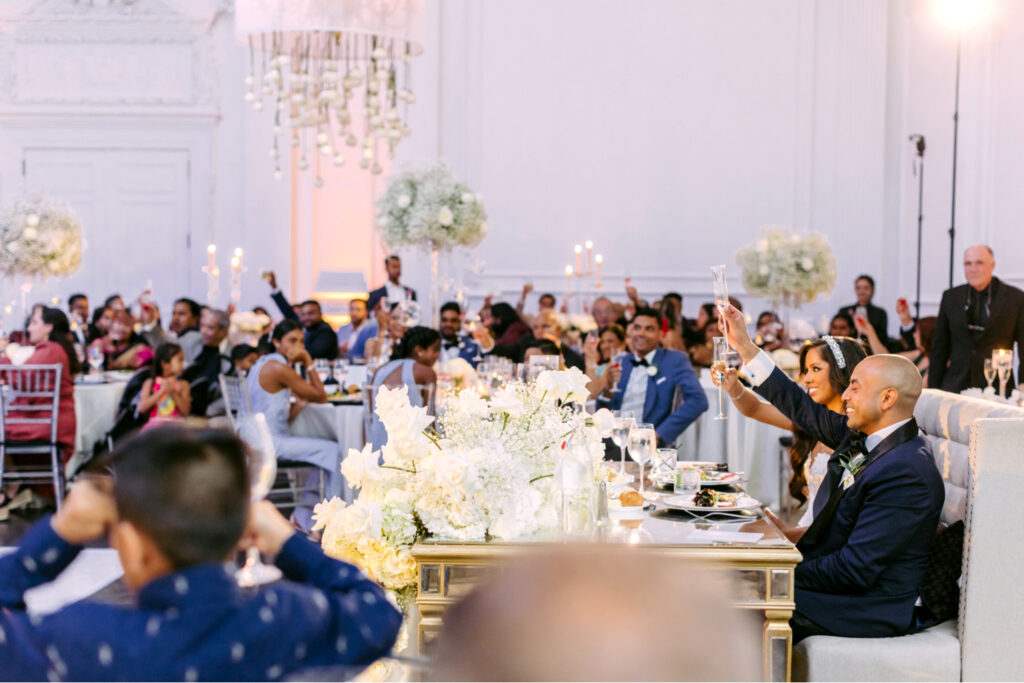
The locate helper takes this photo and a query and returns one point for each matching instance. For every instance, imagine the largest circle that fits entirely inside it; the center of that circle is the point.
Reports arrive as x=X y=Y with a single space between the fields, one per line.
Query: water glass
x=623 y=421
x=664 y=461
x=95 y=358
x=687 y=482
x=643 y=441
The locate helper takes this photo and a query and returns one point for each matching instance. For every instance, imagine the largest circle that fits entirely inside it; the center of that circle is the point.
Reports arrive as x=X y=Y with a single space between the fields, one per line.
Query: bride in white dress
x=825 y=369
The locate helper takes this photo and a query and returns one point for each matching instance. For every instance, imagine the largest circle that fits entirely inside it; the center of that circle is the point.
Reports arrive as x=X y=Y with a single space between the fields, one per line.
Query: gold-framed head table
x=763 y=570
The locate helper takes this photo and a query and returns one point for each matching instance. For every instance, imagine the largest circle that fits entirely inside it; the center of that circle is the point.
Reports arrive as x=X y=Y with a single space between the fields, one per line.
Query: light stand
x=956 y=127
x=919 y=143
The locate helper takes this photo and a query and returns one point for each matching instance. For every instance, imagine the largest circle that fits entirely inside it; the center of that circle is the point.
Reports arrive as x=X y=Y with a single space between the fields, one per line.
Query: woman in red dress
x=49 y=331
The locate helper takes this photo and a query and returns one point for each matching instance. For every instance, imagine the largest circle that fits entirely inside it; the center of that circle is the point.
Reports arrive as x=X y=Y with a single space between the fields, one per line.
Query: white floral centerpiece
x=247 y=327
x=40 y=237
x=431 y=208
x=458 y=371
x=486 y=471
x=788 y=268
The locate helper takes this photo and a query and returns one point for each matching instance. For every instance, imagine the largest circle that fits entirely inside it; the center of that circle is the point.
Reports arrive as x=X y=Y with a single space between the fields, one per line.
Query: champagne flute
x=623 y=421
x=719 y=364
x=642 y=444
x=1004 y=375
x=259 y=447
x=721 y=292
x=990 y=372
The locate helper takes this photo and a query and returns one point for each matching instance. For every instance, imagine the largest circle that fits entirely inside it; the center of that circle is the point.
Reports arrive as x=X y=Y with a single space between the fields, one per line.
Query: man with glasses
x=974 y=318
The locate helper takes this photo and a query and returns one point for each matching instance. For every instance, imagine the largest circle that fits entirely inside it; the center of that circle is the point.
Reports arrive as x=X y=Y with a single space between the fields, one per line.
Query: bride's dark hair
x=422 y=337
x=803 y=443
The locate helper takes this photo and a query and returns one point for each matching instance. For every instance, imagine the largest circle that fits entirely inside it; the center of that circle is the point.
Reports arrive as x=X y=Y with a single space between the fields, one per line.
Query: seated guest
x=115 y=303
x=600 y=351
x=164 y=397
x=771 y=334
x=348 y=334
x=393 y=290
x=604 y=312
x=454 y=342
x=390 y=327
x=825 y=368
x=504 y=333
x=546 y=302
x=48 y=332
x=671 y=324
x=203 y=374
x=184 y=327
x=179 y=508
x=669 y=371
x=272 y=382
x=702 y=352
x=864 y=289
x=243 y=357
x=842 y=325
x=542 y=347
x=78 y=319
x=548 y=325
x=321 y=339
x=100 y=323
x=122 y=348
x=875 y=515
x=411 y=365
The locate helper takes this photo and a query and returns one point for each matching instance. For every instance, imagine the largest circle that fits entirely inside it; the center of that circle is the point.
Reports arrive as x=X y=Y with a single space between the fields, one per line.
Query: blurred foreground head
x=603 y=613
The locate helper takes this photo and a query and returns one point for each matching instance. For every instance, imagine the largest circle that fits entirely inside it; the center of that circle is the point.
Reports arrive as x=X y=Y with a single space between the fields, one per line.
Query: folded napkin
x=705 y=536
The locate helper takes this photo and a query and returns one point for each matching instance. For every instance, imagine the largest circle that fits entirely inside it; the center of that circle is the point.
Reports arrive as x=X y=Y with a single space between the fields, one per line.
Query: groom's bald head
x=883 y=390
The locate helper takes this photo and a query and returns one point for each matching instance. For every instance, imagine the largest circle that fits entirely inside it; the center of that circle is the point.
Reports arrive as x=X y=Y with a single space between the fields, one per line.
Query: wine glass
x=623 y=421
x=341 y=371
x=1004 y=375
x=719 y=363
x=262 y=460
x=721 y=292
x=95 y=358
x=990 y=373
x=323 y=367
x=642 y=443
x=617 y=362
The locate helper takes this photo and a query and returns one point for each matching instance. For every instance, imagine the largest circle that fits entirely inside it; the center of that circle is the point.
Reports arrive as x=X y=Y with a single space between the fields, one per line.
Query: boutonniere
x=851 y=467
x=652 y=370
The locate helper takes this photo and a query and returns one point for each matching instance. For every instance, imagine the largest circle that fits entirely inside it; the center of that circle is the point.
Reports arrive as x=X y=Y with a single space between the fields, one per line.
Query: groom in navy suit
x=650 y=378
x=877 y=511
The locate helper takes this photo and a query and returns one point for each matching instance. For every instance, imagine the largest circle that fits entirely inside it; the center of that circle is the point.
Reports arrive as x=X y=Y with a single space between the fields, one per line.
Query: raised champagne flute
x=721 y=293
x=623 y=421
x=990 y=373
x=719 y=363
x=642 y=443
x=262 y=460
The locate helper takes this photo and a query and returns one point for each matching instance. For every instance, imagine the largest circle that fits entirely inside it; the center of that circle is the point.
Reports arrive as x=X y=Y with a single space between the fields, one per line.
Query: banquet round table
x=745 y=445
x=341 y=422
x=95 y=410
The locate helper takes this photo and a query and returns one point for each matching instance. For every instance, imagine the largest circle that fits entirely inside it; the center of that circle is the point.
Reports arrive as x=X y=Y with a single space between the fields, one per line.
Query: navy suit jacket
x=376 y=295
x=674 y=373
x=861 y=578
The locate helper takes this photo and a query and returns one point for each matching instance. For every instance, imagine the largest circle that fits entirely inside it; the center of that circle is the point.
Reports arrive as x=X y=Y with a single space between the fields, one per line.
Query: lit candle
x=568 y=281
x=236 y=277
x=590 y=265
x=1002 y=358
x=212 y=275
x=579 y=259
x=598 y=260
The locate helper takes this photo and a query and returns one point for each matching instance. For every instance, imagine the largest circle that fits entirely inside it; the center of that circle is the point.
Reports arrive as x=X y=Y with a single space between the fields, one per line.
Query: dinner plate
x=743 y=502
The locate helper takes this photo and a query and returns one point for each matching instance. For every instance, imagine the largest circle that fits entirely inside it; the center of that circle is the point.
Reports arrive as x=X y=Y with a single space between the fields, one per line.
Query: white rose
x=505 y=400
x=563 y=384
x=325 y=512
x=32 y=220
x=604 y=421
x=30 y=233
x=362 y=519
x=467 y=197
x=807 y=263
x=764 y=270
x=361 y=468
x=404 y=201
x=762 y=245
x=794 y=239
x=445 y=216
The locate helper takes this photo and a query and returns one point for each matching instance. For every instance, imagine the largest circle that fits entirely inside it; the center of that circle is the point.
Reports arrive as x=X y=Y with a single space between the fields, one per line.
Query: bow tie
x=641 y=361
x=451 y=345
x=855 y=444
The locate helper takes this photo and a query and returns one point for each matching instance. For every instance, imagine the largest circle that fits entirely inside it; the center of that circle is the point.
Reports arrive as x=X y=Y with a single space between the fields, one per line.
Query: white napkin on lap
x=18 y=353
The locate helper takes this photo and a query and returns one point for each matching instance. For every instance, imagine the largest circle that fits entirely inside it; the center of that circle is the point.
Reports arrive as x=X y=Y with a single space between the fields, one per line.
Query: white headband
x=836 y=351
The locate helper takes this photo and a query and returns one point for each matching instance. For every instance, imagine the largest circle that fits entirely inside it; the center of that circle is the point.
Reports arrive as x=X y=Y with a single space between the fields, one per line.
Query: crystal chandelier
x=334 y=73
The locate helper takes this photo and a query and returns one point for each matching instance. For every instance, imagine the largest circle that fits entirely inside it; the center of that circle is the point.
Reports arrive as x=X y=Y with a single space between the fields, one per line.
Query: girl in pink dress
x=164 y=397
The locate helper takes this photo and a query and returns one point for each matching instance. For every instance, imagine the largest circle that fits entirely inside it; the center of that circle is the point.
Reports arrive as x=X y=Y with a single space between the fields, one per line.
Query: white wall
x=667 y=131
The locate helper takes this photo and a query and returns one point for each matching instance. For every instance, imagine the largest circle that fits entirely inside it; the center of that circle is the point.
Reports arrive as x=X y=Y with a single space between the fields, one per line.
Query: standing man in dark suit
x=392 y=290
x=974 y=319
x=649 y=379
x=866 y=552
x=864 y=289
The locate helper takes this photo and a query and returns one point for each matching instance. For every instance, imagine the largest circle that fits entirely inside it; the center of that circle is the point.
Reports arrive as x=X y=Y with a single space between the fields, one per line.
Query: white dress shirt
x=758 y=369
x=396 y=293
x=635 y=394
x=448 y=354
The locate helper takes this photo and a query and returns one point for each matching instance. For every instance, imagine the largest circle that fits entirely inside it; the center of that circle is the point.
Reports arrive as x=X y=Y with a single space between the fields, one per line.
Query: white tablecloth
x=746 y=445
x=95 y=410
x=341 y=423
